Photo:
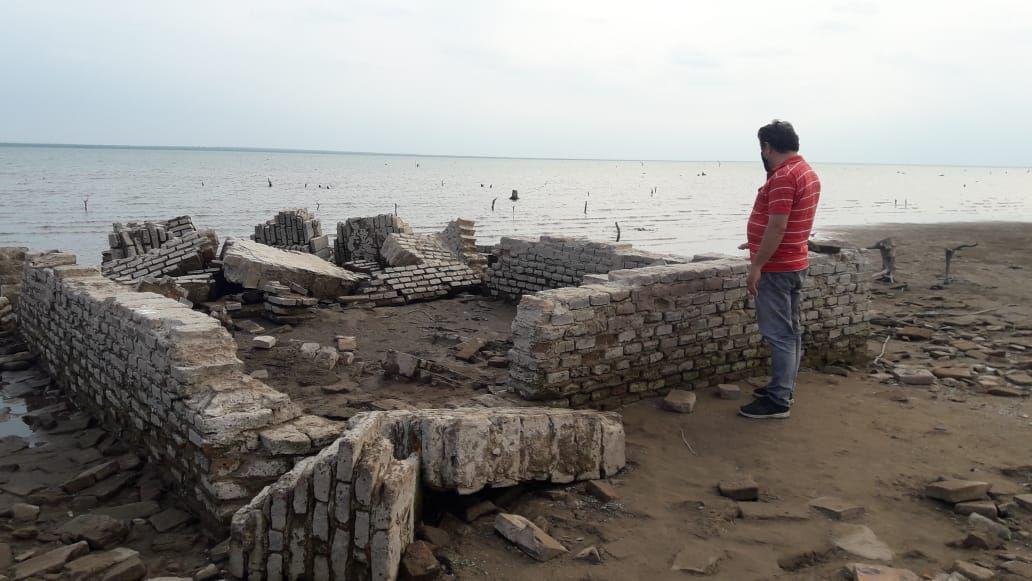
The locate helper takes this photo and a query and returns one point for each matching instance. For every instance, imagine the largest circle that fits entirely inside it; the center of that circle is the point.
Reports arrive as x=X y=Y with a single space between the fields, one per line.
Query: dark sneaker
x=761 y=392
x=763 y=409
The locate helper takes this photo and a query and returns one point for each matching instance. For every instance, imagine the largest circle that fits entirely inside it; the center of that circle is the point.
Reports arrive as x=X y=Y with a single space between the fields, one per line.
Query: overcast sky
x=864 y=81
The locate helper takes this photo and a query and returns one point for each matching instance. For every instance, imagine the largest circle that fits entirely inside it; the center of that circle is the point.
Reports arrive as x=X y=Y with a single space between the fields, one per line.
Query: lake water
x=660 y=205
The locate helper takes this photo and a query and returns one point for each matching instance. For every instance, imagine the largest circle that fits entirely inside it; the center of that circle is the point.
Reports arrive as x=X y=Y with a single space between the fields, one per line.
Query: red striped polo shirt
x=792 y=188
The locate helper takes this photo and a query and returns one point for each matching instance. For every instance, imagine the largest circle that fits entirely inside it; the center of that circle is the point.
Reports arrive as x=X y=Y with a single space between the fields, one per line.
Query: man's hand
x=752 y=282
x=743 y=246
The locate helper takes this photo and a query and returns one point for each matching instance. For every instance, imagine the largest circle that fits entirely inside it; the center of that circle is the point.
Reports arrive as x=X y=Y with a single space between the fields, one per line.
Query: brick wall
x=349 y=512
x=176 y=256
x=647 y=330
x=525 y=265
x=360 y=239
x=166 y=379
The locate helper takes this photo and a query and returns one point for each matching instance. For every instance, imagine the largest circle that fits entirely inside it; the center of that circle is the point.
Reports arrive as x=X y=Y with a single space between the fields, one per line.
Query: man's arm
x=776 y=226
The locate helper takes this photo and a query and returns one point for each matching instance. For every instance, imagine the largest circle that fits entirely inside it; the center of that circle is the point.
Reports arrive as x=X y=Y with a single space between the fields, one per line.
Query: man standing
x=779 y=227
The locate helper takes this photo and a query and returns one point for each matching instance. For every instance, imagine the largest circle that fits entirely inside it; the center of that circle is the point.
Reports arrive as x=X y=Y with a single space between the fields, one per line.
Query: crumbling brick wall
x=647 y=330
x=524 y=265
x=177 y=256
x=460 y=236
x=349 y=512
x=295 y=229
x=360 y=239
x=132 y=239
x=167 y=379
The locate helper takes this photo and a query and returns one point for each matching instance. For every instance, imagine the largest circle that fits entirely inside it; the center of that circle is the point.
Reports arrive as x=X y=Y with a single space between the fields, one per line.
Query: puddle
x=15 y=403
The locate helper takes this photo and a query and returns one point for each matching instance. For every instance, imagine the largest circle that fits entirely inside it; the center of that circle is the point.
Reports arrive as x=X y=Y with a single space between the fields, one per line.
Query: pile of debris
x=285 y=306
x=295 y=229
x=176 y=256
x=360 y=239
x=134 y=238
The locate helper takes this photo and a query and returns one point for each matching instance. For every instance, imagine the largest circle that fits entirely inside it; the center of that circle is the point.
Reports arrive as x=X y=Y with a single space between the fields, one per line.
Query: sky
x=864 y=81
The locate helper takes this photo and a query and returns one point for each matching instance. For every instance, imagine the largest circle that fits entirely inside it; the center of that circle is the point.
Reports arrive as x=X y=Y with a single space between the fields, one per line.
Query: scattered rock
x=1022 y=569
x=498 y=362
x=913 y=375
x=263 y=342
x=914 y=333
x=206 y=573
x=680 y=401
x=22 y=512
x=435 y=536
x=1024 y=501
x=868 y=572
x=248 y=326
x=130 y=511
x=952 y=372
x=1004 y=391
x=742 y=489
x=728 y=391
x=478 y=510
x=346 y=343
x=602 y=490
x=100 y=531
x=169 y=519
x=986 y=508
x=6 y=559
x=980 y=540
x=837 y=508
x=954 y=491
x=697 y=558
x=50 y=561
x=981 y=523
x=589 y=554
x=543 y=523
x=1019 y=378
x=90 y=438
x=861 y=541
x=89 y=477
x=419 y=563
x=972 y=571
x=260 y=374
x=467 y=351
x=835 y=370
x=528 y=537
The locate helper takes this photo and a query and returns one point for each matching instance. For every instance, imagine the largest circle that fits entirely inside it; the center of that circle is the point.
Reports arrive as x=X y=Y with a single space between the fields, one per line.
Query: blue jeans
x=777 y=313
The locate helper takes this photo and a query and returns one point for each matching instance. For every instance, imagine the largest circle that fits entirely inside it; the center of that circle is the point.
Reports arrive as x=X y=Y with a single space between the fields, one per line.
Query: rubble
x=134 y=238
x=680 y=401
x=177 y=256
x=528 y=537
x=954 y=491
x=861 y=541
x=252 y=265
x=739 y=489
x=837 y=508
x=360 y=239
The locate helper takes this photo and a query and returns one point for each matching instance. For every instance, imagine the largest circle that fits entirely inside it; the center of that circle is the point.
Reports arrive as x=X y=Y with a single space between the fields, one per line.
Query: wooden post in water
x=617 y=231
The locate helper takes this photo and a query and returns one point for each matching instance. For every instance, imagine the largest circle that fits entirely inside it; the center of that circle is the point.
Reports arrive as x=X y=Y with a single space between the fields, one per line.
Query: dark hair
x=780 y=135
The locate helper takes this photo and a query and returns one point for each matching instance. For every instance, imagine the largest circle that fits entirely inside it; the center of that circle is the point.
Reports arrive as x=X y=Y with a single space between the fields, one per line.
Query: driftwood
x=888 y=258
x=950 y=252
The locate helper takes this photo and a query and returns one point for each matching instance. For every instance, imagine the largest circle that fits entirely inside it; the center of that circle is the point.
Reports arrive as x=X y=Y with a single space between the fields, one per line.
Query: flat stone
x=50 y=561
x=742 y=489
x=498 y=362
x=972 y=571
x=861 y=541
x=346 y=343
x=528 y=537
x=770 y=511
x=100 y=531
x=253 y=264
x=89 y=566
x=130 y=511
x=1024 y=501
x=986 y=508
x=109 y=487
x=980 y=540
x=206 y=573
x=952 y=372
x=728 y=391
x=869 y=572
x=915 y=333
x=1004 y=391
x=263 y=342
x=697 y=558
x=954 y=491
x=1019 y=378
x=437 y=537
x=913 y=376
x=1022 y=569
x=837 y=508
x=169 y=519
x=680 y=401
x=419 y=563
x=467 y=350
x=602 y=490
x=248 y=326
x=89 y=477
x=6 y=558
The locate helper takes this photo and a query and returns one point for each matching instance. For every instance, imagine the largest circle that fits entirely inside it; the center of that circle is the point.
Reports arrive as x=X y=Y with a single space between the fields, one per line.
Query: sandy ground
x=862 y=438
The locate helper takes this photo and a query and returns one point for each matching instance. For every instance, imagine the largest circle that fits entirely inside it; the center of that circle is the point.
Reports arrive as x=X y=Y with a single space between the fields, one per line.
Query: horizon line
x=241 y=149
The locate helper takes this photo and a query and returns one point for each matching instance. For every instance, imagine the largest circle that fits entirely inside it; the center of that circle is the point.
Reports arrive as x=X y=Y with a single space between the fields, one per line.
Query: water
x=42 y=191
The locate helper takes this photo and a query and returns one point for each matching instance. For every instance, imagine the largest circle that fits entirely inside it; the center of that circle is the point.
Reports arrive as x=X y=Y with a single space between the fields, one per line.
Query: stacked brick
x=12 y=262
x=460 y=236
x=178 y=256
x=525 y=265
x=295 y=229
x=399 y=285
x=134 y=238
x=349 y=512
x=284 y=306
x=648 y=330
x=360 y=239
x=165 y=378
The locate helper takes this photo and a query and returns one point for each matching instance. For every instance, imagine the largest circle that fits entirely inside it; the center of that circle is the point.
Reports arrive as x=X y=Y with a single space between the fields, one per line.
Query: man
x=779 y=227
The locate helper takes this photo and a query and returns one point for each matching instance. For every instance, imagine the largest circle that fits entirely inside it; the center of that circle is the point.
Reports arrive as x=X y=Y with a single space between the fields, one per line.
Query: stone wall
x=647 y=330
x=349 y=512
x=524 y=265
x=166 y=379
x=360 y=239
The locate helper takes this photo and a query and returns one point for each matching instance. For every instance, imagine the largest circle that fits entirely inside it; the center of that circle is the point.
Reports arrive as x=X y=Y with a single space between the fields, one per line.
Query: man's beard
x=766 y=164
